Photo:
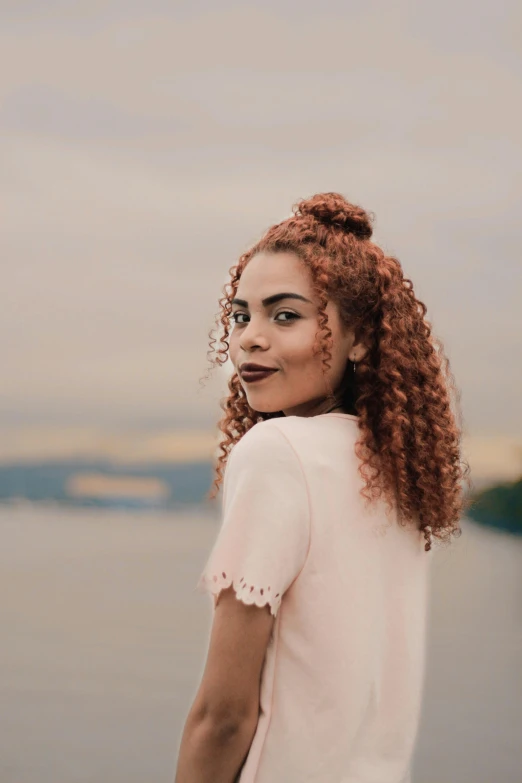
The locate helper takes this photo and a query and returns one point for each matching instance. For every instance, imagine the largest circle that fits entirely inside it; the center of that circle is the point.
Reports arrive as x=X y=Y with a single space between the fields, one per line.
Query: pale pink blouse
x=342 y=680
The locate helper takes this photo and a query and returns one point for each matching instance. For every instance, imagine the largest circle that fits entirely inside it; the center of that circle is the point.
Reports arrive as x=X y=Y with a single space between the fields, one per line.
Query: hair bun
x=332 y=209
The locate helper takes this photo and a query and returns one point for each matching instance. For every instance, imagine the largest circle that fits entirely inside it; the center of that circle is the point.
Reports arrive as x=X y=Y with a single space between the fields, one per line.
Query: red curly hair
x=409 y=444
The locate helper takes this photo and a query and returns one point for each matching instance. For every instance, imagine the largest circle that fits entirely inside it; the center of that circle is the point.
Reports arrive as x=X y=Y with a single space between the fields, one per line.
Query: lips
x=249 y=376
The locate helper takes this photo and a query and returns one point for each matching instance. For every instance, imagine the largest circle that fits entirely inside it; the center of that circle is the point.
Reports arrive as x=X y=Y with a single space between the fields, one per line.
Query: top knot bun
x=332 y=209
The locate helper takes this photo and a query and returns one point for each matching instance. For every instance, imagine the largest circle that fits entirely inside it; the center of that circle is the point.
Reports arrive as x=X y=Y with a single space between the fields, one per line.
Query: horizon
x=491 y=458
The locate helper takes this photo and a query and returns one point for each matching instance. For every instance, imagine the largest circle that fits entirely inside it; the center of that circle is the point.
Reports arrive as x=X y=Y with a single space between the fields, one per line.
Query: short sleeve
x=264 y=536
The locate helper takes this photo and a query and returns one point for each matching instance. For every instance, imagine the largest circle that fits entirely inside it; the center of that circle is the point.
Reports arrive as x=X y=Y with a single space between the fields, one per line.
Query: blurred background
x=145 y=146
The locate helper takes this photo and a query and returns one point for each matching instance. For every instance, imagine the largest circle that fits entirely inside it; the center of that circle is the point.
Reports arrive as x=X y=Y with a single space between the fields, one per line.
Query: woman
x=345 y=469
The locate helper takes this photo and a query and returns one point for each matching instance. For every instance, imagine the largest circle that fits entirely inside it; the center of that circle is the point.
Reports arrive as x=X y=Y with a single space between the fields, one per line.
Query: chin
x=265 y=408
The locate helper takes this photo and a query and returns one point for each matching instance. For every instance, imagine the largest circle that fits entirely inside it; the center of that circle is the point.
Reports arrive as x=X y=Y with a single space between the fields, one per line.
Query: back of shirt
x=342 y=682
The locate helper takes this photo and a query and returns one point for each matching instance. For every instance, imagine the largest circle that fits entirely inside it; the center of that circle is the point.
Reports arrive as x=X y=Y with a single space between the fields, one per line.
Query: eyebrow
x=270 y=300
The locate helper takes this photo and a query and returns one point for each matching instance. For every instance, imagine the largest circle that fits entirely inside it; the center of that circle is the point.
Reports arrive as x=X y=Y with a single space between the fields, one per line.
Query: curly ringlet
x=332 y=209
x=403 y=389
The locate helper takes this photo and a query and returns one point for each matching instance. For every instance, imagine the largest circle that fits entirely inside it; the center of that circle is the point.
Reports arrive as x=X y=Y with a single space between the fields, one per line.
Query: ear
x=353 y=338
x=358 y=351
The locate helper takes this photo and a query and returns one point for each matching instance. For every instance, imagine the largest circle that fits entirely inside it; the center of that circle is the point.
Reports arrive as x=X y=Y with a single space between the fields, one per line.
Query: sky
x=146 y=145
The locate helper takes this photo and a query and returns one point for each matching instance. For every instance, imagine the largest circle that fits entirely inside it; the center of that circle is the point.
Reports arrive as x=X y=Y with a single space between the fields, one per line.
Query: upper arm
x=261 y=548
x=230 y=686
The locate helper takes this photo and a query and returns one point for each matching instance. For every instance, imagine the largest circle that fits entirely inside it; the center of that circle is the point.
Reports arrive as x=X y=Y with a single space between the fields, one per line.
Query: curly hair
x=409 y=436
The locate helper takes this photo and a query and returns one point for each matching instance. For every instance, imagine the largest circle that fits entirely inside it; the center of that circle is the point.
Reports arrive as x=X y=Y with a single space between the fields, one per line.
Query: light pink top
x=343 y=675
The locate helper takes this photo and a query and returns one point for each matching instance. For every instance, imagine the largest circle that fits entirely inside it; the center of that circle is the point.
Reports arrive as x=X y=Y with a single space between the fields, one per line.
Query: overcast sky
x=146 y=147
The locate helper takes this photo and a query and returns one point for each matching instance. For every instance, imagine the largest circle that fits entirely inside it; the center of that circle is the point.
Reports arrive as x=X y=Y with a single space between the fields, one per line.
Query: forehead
x=269 y=273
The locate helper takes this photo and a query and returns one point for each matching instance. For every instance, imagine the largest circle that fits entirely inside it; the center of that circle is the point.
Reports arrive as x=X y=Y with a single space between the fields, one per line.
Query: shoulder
x=264 y=455
x=265 y=442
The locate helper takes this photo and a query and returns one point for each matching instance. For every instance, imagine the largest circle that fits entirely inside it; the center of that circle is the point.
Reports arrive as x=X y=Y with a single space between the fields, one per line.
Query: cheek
x=297 y=351
x=292 y=347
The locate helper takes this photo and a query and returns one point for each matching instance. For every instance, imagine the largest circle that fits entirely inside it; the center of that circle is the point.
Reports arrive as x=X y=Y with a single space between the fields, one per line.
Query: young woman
x=344 y=468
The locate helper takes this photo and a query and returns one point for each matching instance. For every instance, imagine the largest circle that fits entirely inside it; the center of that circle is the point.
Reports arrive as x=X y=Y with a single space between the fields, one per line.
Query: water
x=104 y=642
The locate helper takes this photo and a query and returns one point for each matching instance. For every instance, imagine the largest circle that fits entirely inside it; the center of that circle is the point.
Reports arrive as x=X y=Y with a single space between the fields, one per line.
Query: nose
x=253 y=334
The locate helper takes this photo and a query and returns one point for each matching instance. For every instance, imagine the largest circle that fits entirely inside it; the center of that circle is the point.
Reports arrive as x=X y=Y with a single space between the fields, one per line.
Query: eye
x=293 y=316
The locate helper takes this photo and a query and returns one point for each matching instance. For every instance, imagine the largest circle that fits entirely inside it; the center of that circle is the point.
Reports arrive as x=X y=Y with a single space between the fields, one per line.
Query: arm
x=223 y=719
x=210 y=753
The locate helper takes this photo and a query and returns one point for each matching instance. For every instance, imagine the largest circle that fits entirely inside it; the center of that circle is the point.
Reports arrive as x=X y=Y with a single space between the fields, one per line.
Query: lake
x=104 y=640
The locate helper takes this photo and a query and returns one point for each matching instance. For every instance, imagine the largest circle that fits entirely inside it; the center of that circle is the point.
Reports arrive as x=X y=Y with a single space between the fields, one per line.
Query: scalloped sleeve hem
x=213 y=584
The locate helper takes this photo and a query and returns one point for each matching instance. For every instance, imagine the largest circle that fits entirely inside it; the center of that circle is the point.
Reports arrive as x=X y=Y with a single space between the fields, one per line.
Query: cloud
x=145 y=148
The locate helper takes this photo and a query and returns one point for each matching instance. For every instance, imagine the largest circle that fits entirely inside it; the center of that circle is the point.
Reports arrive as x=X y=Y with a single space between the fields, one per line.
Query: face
x=281 y=334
